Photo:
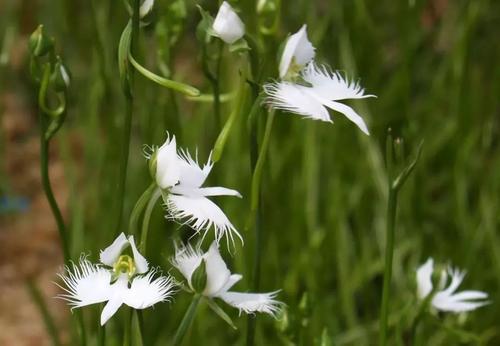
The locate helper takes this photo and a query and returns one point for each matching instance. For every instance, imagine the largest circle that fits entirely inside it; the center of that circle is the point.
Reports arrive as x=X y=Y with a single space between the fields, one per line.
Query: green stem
x=139 y=207
x=257 y=175
x=389 y=254
x=147 y=218
x=216 y=87
x=186 y=320
x=44 y=169
x=127 y=127
x=255 y=207
x=46 y=316
x=127 y=334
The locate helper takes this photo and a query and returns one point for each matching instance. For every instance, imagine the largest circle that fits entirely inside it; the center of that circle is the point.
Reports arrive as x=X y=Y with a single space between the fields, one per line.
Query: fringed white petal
x=253 y=302
x=85 y=284
x=216 y=269
x=424 y=278
x=191 y=174
x=332 y=85
x=146 y=7
x=109 y=255
x=186 y=260
x=146 y=291
x=227 y=25
x=292 y=98
x=298 y=48
x=140 y=262
x=201 y=214
x=167 y=164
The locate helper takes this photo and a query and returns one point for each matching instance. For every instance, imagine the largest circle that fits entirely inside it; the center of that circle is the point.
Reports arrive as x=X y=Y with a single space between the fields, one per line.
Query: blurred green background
x=434 y=66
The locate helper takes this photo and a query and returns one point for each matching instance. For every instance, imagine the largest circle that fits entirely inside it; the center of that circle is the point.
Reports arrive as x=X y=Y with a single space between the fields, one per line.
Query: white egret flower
x=145 y=8
x=181 y=178
x=298 y=52
x=227 y=25
x=446 y=298
x=308 y=89
x=120 y=279
x=219 y=280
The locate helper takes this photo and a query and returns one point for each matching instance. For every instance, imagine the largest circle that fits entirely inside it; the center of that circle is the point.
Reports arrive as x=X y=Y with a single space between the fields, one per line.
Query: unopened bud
x=39 y=43
x=199 y=278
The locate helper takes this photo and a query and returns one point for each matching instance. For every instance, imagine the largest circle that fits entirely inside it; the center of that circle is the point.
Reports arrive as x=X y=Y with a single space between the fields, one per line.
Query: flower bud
x=60 y=76
x=199 y=278
x=227 y=25
x=153 y=157
x=39 y=43
x=146 y=8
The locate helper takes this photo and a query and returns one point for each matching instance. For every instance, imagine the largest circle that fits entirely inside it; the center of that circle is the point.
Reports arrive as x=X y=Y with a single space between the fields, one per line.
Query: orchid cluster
x=124 y=276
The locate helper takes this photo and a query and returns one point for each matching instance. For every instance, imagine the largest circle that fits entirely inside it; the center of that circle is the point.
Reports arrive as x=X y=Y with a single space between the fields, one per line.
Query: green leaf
x=123 y=63
x=213 y=305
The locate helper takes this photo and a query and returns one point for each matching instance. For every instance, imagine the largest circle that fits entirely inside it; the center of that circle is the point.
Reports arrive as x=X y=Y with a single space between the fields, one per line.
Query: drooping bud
x=39 y=43
x=60 y=77
x=227 y=25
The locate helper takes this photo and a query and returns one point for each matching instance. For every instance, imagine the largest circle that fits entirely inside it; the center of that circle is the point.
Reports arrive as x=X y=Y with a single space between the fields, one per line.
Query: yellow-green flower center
x=124 y=265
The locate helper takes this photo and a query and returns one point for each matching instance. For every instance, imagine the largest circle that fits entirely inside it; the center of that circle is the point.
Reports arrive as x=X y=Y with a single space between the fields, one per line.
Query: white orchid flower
x=145 y=8
x=446 y=298
x=219 y=280
x=120 y=279
x=309 y=88
x=181 y=178
x=227 y=25
x=298 y=52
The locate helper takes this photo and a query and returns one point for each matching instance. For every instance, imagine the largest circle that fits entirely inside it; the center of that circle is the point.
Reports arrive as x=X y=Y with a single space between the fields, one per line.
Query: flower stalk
x=395 y=185
x=147 y=217
x=187 y=320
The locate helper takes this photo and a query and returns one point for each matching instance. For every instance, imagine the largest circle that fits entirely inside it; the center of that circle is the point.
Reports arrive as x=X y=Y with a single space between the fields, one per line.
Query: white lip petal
x=424 y=278
x=186 y=260
x=110 y=309
x=341 y=108
x=292 y=98
x=201 y=214
x=227 y=25
x=145 y=8
x=167 y=164
x=449 y=303
x=299 y=47
x=332 y=85
x=216 y=269
x=86 y=284
x=191 y=174
x=145 y=292
x=218 y=191
x=109 y=255
x=141 y=263
x=252 y=302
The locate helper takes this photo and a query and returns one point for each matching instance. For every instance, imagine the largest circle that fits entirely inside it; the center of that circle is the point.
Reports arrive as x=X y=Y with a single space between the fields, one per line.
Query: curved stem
x=127 y=126
x=47 y=188
x=389 y=254
x=139 y=207
x=186 y=320
x=147 y=218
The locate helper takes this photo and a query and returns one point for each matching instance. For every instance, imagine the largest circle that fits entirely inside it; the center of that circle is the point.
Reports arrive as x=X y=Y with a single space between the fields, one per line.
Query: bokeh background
x=434 y=66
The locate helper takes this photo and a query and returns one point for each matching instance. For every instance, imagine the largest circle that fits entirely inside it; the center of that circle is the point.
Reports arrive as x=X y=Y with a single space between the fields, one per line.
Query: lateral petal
x=109 y=255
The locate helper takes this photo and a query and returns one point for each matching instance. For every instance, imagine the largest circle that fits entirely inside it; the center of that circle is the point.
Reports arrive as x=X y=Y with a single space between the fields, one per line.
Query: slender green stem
x=139 y=207
x=257 y=174
x=47 y=188
x=127 y=330
x=389 y=254
x=127 y=126
x=44 y=311
x=187 y=320
x=147 y=218
x=255 y=206
x=216 y=87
